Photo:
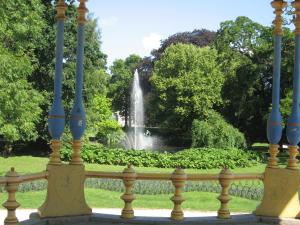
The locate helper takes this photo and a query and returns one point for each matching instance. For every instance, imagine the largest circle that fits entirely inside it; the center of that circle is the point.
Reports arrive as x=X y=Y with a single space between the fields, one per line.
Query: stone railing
x=12 y=180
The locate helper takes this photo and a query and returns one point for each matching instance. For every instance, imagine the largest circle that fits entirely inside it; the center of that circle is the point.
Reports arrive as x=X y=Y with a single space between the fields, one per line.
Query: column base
x=281 y=198
x=65 y=194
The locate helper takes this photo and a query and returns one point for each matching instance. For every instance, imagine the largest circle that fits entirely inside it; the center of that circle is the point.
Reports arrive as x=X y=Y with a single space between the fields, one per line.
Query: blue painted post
x=293 y=124
x=78 y=117
x=56 y=120
x=274 y=127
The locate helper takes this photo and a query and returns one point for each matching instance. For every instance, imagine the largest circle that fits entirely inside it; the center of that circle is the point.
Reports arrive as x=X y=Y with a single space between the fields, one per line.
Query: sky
x=137 y=26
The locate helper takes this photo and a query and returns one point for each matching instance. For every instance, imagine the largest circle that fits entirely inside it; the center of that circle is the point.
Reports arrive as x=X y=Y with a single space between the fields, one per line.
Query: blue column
x=56 y=121
x=293 y=125
x=78 y=117
x=274 y=127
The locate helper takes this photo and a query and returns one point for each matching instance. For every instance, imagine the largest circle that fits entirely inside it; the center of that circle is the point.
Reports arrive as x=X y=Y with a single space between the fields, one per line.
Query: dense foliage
x=196 y=158
x=187 y=82
x=215 y=132
x=199 y=38
x=101 y=123
x=19 y=102
x=20 y=109
x=245 y=55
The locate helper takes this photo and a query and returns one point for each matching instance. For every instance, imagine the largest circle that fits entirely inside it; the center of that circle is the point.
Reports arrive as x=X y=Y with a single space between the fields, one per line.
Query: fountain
x=137 y=137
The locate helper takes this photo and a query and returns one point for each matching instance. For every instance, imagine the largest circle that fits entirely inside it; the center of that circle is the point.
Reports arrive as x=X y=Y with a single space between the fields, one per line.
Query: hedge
x=194 y=158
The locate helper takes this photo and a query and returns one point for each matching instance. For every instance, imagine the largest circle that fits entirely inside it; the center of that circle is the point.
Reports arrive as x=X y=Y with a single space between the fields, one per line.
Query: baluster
x=56 y=120
x=293 y=123
x=178 y=179
x=55 y=155
x=274 y=127
x=76 y=158
x=273 y=150
x=292 y=161
x=13 y=180
x=129 y=176
x=225 y=179
x=78 y=116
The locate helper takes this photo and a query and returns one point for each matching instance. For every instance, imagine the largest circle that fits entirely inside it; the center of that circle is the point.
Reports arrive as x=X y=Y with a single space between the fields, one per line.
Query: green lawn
x=97 y=198
x=29 y=164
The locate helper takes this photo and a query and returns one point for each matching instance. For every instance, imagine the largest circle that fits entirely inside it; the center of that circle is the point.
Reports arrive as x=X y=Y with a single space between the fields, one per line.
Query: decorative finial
x=296 y=5
x=61 y=9
x=278 y=5
x=82 y=10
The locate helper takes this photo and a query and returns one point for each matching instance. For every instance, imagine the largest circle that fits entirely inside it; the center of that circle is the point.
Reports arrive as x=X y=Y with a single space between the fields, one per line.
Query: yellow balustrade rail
x=178 y=178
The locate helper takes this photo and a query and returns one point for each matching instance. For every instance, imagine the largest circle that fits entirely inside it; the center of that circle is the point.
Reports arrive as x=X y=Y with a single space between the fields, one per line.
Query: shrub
x=100 y=123
x=109 y=133
x=195 y=158
x=217 y=133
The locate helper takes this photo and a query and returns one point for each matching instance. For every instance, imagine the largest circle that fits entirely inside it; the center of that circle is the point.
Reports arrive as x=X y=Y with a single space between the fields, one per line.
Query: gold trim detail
x=56 y=116
x=278 y=6
x=76 y=157
x=61 y=9
x=296 y=5
x=82 y=10
x=292 y=161
x=273 y=150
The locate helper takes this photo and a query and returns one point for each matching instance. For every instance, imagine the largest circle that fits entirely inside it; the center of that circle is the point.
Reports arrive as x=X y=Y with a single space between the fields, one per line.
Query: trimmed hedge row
x=194 y=158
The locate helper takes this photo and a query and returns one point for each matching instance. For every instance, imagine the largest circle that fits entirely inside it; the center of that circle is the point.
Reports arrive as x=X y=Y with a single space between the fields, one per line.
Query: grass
x=29 y=164
x=98 y=198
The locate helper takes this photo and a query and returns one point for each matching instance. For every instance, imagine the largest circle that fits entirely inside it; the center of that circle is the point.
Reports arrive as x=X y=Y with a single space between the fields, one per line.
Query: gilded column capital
x=278 y=5
x=296 y=5
x=82 y=10
x=61 y=10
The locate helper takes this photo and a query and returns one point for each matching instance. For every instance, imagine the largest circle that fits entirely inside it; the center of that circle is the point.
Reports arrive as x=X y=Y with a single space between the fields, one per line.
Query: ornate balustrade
x=12 y=180
x=178 y=178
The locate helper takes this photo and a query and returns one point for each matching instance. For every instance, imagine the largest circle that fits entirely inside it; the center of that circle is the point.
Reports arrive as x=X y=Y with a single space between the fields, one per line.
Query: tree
x=187 y=82
x=120 y=84
x=20 y=32
x=200 y=38
x=245 y=51
x=19 y=102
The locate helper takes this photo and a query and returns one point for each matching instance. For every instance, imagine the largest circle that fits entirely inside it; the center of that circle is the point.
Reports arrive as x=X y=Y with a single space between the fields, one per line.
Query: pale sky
x=137 y=26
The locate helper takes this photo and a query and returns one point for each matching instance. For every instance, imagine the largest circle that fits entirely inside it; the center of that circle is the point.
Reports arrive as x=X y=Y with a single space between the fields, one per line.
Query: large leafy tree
x=199 y=38
x=20 y=103
x=246 y=58
x=187 y=82
x=120 y=84
x=20 y=32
